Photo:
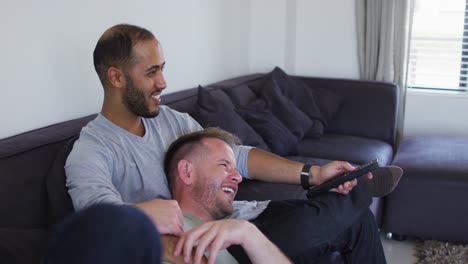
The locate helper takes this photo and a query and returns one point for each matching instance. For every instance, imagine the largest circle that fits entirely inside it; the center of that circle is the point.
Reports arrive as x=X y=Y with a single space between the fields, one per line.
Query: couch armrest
x=369 y=109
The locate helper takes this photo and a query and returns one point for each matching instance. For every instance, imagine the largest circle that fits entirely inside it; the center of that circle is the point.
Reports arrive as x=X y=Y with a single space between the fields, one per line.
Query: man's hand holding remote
x=335 y=169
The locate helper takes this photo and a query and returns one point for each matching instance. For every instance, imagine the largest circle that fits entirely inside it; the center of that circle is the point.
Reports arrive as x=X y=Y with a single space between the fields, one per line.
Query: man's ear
x=185 y=171
x=116 y=77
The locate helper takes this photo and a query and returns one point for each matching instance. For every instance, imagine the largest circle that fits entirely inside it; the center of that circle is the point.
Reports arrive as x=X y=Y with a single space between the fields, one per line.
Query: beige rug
x=436 y=252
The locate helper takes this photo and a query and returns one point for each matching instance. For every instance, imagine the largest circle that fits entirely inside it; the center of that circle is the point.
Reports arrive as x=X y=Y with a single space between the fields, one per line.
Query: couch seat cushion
x=357 y=150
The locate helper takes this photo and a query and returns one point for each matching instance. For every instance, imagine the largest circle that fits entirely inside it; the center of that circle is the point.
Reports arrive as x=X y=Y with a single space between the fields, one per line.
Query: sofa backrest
x=59 y=201
x=25 y=162
x=370 y=108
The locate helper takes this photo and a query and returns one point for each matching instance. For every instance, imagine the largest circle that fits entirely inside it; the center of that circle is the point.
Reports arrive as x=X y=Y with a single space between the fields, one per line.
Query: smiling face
x=217 y=179
x=144 y=79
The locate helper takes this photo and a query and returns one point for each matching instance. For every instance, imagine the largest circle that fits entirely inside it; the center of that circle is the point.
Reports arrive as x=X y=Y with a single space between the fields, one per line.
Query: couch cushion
x=300 y=94
x=284 y=109
x=278 y=138
x=256 y=112
x=328 y=101
x=214 y=108
x=309 y=98
x=317 y=103
x=240 y=95
x=357 y=150
x=212 y=98
x=22 y=246
x=295 y=90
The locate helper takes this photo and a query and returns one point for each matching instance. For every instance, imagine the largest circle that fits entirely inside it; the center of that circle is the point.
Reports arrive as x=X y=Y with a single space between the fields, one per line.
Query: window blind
x=438 y=57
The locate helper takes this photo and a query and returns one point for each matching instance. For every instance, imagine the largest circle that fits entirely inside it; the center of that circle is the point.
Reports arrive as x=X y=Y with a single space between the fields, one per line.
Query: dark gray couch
x=32 y=183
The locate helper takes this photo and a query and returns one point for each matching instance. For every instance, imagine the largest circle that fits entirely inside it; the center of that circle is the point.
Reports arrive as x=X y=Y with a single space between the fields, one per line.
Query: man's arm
x=260 y=249
x=217 y=235
x=88 y=172
x=95 y=189
x=269 y=167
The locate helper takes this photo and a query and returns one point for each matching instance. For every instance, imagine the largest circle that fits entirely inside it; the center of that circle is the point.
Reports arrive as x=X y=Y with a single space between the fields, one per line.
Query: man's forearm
x=269 y=167
x=261 y=250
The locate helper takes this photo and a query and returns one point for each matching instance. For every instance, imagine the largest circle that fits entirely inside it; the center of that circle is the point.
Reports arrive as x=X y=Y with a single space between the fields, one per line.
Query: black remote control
x=348 y=176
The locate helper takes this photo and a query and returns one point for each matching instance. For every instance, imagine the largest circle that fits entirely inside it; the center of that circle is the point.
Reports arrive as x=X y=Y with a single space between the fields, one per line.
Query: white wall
x=304 y=37
x=267 y=34
x=47 y=73
x=436 y=113
x=326 y=43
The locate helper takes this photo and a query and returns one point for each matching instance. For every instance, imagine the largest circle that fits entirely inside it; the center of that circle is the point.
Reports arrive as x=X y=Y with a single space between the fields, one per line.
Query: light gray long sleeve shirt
x=110 y=165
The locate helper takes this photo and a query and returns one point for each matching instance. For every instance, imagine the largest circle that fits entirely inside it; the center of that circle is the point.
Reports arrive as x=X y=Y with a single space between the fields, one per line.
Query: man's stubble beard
x=206 y=195
x=135 y=100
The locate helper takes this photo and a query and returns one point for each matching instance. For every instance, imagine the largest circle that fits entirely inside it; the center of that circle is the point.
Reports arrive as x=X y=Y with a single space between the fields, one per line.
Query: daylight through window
x=439 y=45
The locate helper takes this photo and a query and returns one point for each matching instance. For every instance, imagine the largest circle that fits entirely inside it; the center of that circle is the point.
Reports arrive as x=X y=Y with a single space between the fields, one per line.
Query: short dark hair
x=115 y=47
x=186 y=144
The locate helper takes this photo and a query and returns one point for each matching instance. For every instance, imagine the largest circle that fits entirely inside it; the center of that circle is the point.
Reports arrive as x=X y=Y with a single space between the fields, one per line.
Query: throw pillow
x=240 y=95
x=297 y=92
x=328 y=101
x=300 y=95
x=210 y=111
x=280 y=140
x=317 y=103
x=285 y=110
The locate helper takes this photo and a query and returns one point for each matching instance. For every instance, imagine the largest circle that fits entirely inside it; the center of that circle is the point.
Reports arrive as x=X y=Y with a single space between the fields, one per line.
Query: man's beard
x=206 y=194
x=135 y=100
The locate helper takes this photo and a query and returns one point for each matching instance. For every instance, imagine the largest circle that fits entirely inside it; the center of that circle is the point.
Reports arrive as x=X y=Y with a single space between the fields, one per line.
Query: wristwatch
x=306 y=175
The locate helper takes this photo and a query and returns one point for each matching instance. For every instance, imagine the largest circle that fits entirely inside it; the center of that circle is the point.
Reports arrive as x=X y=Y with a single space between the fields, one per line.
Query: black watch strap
x=305 y=176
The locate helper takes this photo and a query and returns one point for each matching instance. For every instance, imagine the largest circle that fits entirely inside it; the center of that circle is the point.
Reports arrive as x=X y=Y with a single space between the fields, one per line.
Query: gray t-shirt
x=223 y=257
x=110 y=165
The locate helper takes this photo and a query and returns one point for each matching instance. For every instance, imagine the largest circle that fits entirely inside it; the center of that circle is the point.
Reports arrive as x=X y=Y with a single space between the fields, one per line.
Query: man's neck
x=125 y=119
x=194 y=208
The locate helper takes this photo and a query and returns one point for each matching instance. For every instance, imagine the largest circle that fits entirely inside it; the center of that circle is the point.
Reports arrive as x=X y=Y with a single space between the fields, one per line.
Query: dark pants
x=309 y=230
x=105 y=234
